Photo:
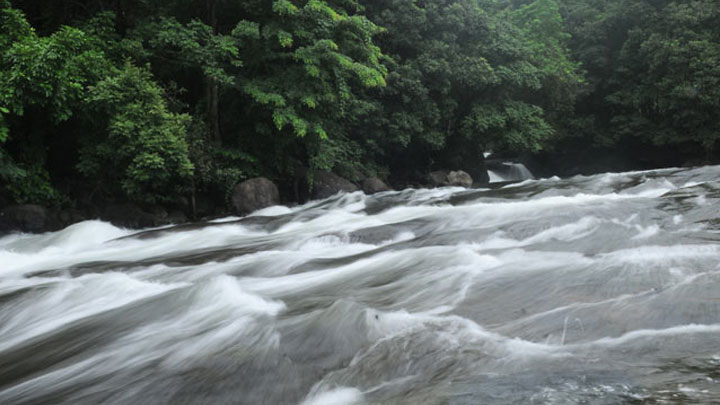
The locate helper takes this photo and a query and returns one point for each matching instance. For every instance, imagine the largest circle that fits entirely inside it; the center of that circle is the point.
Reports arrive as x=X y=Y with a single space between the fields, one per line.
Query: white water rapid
x=510 y=171
x=596 y=290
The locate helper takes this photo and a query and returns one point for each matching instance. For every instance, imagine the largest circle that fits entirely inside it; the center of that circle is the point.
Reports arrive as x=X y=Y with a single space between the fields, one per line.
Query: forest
x=150 y=101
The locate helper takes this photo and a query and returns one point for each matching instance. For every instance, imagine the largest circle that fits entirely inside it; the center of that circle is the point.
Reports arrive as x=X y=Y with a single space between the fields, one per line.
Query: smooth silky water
x=599 y=290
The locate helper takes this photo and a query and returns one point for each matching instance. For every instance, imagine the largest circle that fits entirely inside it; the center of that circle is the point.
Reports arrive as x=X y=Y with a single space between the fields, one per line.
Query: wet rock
x=444 y=178
x=70 y=216
x=459 y=178
x=24 y=218
x=373 y=185
x=438 y=178
x=37 y=219
x=255 y=194
x=326 y=184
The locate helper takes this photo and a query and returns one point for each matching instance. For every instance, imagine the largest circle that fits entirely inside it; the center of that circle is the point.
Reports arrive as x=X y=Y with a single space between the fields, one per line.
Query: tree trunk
x=213 y=112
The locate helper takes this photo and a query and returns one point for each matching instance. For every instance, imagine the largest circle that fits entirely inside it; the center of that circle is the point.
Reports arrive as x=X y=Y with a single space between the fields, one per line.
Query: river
x=602 y=290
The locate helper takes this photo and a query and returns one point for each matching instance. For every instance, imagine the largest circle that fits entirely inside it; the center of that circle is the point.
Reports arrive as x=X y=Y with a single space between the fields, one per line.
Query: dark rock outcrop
x=129 y=215
x=254 y=194
x=68 y=217
x=38 y=219
x=24 y=218
x=326 y=184
x=373 y=185
x=479 y=175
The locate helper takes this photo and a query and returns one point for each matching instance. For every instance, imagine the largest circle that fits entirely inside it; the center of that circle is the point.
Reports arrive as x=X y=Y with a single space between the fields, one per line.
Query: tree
x=142 y=147
x=305 y=66
x=41 y=84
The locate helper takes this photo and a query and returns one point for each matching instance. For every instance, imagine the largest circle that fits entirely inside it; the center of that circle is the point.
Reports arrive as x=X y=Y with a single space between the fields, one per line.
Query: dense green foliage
x=143 y=147
x=653 y=71
x=469 y=76
x=150 y=100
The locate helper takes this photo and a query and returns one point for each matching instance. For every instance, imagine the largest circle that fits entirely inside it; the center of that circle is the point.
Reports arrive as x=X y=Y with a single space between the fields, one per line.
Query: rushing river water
x=600 y=290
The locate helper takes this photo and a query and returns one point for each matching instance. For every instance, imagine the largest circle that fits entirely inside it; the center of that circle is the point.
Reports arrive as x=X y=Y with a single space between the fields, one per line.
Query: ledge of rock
x=373 y=185
x=24 y=218
x=131 y=216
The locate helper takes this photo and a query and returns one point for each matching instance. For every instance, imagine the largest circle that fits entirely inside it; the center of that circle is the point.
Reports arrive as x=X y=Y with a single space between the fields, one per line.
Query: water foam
x=341 y=395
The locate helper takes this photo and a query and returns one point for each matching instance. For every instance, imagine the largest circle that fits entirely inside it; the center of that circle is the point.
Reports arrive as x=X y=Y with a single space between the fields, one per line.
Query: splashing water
x=510 y=171
x=601 y=289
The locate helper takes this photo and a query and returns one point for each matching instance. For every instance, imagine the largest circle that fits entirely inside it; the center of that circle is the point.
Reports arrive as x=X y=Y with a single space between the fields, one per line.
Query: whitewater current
x=599 y=290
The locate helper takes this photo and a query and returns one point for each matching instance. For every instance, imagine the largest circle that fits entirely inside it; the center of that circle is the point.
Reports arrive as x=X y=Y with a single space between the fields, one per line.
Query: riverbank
x=248 y=196
x=257 y=193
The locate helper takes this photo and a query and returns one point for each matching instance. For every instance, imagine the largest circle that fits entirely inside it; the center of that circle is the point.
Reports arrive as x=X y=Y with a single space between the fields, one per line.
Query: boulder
x=444 y=178
x=459 y=178
x=326 y=184
x=254 y=194
x=438 y=178
x=70 y=216
x=25 y=218
x=373 y=185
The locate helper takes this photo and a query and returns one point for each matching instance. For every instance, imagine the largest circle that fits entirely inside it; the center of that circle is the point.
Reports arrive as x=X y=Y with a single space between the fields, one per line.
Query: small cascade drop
x=509 y=171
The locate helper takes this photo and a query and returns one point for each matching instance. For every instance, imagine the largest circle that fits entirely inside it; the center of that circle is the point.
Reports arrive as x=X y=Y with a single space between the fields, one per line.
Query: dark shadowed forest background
x=158 y=101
